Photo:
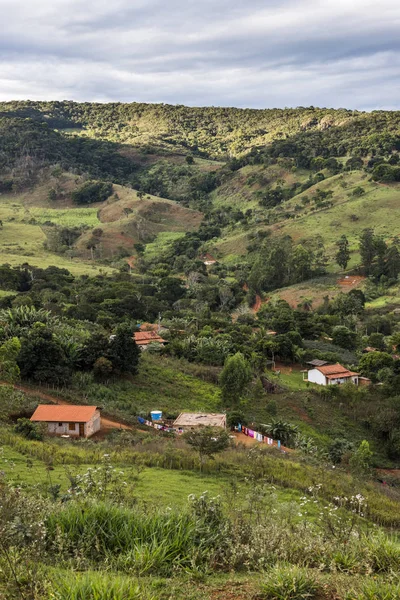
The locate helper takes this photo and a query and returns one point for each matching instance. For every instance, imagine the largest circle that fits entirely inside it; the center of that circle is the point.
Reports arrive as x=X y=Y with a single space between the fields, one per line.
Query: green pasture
x=22 y=242
x=153 y=486
x=160 y=244
x=69 y=217
x=377 y=208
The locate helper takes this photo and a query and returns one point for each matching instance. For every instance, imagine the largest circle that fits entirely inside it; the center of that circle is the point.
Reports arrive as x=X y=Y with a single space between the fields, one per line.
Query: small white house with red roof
x=68 y=419
x=332 y=375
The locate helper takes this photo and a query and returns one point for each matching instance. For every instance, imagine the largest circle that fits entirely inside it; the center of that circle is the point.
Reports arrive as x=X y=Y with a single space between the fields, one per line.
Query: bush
x=289 y=583
x=92 y=191
x=30 y=430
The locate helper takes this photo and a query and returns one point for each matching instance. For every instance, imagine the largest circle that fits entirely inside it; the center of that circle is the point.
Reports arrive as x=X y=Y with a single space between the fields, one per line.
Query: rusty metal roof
x=200 y=419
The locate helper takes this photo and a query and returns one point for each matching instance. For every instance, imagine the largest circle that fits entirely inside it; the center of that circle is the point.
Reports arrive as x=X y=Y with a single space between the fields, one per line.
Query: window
x=60 y=424
x=71 y=426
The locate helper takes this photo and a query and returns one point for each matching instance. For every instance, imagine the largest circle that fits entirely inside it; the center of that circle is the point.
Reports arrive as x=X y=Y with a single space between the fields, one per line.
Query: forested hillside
x=253 y=242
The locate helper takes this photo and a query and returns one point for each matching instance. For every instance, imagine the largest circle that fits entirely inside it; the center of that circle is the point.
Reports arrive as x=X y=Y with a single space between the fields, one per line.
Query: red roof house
x=67 y=419
x=144 y=338
x=332 y=374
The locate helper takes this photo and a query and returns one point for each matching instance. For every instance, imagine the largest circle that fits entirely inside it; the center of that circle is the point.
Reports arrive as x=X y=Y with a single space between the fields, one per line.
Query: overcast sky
x=255 y=53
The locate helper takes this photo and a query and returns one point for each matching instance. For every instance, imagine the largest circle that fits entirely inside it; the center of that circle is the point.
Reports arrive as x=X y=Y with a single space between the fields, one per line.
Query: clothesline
x=258 y=436
x=157 y=426
x=245 y=430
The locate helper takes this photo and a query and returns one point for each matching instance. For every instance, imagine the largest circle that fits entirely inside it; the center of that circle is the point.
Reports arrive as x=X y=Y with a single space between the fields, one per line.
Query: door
x=81 y=429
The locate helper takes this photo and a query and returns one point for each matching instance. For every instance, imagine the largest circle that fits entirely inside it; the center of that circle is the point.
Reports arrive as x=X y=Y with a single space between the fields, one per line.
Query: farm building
x=193 y=420
x=76 y=421
x=208 y=260
x=144 y=338
x=332 y=375
x=317 y=362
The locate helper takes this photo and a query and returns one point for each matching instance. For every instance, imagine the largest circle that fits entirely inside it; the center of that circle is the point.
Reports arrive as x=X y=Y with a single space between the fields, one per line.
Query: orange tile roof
x=147 y=337
x=332 y=369
x=64 y=413
x=342 y=374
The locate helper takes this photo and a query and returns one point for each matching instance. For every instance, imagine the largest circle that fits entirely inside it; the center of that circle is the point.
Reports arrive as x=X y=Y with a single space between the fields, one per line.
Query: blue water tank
x=156 y=415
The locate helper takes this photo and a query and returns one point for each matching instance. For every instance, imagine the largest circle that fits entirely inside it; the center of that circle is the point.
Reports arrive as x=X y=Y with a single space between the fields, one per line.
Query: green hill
x=219 y=229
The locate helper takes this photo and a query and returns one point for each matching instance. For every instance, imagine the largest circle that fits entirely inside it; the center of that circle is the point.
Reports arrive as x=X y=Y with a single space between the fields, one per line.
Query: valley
x=254 y=243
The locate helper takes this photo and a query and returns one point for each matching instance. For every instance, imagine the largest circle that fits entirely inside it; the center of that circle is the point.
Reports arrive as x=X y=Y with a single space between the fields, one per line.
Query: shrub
x=30 y=430
x=289 y=583
x=92 y=191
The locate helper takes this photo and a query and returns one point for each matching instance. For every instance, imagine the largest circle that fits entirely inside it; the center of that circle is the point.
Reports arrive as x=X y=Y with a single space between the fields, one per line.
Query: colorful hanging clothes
x=251 y=433
x=141 y=420
x=239 y=427
x=270 y=441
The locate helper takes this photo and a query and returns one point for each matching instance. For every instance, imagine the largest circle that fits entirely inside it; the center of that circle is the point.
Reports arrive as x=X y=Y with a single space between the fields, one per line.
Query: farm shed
x=76 y=421
x=331 y=375
x=193 y=420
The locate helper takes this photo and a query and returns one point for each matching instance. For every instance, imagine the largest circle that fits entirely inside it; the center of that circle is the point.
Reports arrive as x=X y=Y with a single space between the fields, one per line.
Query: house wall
x=89 y=428
x=63 y=429
x=341 y=380
x=145 y=346
x=315 y=376
x=93 y=425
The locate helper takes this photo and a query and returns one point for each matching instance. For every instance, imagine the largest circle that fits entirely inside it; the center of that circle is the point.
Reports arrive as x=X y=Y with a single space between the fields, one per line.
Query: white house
x=332 y=375
x=67 y=419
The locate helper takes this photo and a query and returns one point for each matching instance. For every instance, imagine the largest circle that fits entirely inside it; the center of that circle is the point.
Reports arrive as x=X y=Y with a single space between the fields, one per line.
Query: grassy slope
x=152 y=486
x=24 y=214
x=349 y=215
x=173 y=386
x=162 y=383
x=239 y=191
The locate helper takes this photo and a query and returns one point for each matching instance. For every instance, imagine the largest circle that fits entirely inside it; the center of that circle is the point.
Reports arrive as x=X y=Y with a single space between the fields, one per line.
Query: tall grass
x=96 y=586
x=289 y=583
x=129 y=541
x=270 y=466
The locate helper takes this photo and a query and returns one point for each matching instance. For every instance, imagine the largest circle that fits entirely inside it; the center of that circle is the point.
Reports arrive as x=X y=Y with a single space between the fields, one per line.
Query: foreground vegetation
x=110 y=523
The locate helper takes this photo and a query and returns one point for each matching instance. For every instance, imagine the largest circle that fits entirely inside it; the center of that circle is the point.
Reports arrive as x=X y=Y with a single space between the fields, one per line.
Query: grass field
x=377 y=208
x=22 y=241
x=240 y=191
x=349 y=215
x=152 y=486
x=69 y=217
x=161 y=242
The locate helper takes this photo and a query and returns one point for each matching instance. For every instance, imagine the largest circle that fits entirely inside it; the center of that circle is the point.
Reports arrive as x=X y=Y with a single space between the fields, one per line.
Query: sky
x=245 y=53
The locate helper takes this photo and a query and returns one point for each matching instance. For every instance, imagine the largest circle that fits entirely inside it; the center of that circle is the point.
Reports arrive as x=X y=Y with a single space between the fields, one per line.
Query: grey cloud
x=227 y=52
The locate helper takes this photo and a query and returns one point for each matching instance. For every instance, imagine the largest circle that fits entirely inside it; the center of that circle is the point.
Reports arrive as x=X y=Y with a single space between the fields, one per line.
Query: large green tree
x=343 y=253
x=123 y=352
x=42 y=357
x=392 y=262
x=235 y=377
x=9 y=352
x=367 y=249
